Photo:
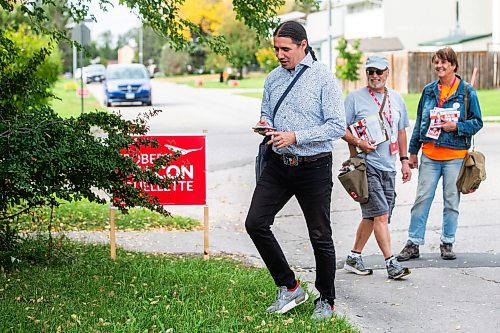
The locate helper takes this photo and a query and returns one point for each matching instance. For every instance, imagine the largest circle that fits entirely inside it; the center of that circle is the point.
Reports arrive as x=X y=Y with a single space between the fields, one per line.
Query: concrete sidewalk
x=439 y=296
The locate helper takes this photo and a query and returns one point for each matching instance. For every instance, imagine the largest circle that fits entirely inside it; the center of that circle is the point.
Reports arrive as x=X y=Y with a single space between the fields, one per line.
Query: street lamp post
x=330 y=56
x=81 y=34
x=81 y=67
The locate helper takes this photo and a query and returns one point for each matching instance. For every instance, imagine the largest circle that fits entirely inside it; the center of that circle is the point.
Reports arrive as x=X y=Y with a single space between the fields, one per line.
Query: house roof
x=372 y=44
x=292 y=16
x=453 y=39
x=341 y=3
x=379 y=44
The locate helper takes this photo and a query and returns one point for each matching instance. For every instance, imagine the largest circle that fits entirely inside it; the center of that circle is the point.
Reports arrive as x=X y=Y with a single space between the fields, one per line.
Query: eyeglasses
x=373 y=71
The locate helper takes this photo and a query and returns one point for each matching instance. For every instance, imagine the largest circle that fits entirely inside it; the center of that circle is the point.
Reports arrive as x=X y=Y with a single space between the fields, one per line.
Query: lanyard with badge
x=393 y=145
x=445 y=98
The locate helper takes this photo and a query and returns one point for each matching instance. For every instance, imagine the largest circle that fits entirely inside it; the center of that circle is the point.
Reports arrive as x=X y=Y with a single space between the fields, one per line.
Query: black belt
x=294 y=160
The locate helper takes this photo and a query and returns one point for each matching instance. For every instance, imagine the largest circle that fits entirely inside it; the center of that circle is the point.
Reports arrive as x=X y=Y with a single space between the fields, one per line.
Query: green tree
x=242 y=44
x=54 y=9
x=348 y=67
x=60 y=22
x=267 y=58
x=306 y=6
x=173 y=62
x=44 y=157
x=152 y=45
x=24 y=38
x=105 y=50
x=216 y=62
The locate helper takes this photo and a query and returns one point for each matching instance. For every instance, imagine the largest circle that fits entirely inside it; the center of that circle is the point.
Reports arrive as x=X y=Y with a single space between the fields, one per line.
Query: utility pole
x=330 y=55
x=80 y=34
x=81 y=66
x=75 y=65
x=141 y=60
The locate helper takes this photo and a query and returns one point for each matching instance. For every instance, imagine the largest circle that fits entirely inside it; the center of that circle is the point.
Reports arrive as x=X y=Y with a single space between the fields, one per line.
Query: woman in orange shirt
x=444 y=144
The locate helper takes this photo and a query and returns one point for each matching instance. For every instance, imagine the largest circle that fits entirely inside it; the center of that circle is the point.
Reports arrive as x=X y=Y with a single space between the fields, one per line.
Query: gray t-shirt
x=359 y=104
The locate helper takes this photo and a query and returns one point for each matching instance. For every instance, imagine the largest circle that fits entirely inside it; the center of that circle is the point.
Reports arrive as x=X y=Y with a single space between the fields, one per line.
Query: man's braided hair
x=296 y=32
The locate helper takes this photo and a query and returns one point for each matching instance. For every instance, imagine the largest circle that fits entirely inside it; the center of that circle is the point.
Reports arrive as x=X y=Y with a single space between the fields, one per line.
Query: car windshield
x=94 y=69
x=126 y=73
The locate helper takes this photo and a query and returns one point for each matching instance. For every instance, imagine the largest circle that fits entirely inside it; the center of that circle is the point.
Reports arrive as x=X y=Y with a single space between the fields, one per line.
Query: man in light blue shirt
x=311 y=116
x=306 y=123
x=380 y=161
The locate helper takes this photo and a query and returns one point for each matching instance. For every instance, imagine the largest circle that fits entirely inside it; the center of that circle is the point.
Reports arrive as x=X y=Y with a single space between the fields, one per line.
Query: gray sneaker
x=287 y=300
x=396 y=271
x=356 y=266
x=447 y=251
x=323 y=310
x=410 y=251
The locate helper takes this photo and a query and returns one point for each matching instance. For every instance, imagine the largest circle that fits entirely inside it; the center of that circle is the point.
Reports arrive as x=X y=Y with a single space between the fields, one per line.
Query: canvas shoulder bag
x=352 y=176
x=473 y=170
x=265 y=149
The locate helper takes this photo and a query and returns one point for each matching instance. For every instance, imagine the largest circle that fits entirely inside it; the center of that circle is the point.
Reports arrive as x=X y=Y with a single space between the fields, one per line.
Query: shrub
x=350 y=60
x=44 y=157
x=267 y=59
x=30 y=43
x=172 y=62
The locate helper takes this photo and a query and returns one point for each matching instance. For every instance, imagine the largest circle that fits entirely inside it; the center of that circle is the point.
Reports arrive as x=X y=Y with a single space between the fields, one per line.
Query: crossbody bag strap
x=466 y=100
x=288 y=90
x=466 y=107
x=383 y=102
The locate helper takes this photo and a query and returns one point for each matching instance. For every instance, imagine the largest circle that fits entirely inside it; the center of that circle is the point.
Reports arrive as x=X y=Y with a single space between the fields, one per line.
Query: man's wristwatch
x=404 y=158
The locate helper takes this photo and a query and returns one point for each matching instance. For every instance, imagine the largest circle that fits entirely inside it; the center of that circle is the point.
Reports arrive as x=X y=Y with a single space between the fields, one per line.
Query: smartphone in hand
x=263 y=128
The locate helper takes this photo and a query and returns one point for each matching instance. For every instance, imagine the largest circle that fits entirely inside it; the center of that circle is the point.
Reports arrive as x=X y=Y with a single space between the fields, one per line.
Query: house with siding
x=402 y=27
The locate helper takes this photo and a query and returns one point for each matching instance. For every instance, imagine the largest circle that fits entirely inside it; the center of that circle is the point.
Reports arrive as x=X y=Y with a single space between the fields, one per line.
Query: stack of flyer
x=437 y=117
x=371 y=129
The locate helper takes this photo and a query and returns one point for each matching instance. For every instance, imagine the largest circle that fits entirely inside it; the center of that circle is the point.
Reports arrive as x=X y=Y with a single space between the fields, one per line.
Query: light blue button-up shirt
x=313 y=108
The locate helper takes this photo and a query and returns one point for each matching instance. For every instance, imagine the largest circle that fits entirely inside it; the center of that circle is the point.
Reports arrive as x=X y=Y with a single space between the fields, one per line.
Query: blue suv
x=127 y=84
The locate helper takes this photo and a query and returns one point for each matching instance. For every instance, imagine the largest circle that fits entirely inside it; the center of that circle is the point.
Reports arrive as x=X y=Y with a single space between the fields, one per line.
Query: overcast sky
x=117 y=19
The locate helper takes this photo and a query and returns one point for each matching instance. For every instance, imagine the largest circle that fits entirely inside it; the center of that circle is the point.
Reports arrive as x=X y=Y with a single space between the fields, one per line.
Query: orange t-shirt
x=443 y=153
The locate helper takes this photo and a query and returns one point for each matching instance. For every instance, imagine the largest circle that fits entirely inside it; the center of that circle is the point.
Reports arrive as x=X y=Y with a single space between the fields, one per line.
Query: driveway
x=462 y=295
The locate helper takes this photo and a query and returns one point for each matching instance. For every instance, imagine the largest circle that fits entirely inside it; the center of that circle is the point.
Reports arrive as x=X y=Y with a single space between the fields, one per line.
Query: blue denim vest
x=466 y=128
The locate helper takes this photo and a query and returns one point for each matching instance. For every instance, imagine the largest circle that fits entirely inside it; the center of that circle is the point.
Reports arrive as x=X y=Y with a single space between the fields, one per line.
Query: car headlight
x=145 y=86
x=111 y=87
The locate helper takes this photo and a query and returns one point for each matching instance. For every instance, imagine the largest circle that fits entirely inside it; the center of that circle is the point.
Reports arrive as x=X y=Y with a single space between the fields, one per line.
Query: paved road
x=462 y=295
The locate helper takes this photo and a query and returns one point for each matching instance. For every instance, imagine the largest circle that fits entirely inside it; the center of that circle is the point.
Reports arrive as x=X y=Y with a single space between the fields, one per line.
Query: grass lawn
x=90 y=216
x=252 y=94
x=70 y=103
x=252 y=81
x=88 y=292
x=488 y=99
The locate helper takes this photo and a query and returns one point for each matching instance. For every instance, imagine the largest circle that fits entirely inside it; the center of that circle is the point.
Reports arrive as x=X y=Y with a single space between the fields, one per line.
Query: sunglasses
x=373 y=71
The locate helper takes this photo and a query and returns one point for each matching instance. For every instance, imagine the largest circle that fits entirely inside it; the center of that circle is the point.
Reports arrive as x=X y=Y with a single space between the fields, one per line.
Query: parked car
x=127 y=84
x=94 y=73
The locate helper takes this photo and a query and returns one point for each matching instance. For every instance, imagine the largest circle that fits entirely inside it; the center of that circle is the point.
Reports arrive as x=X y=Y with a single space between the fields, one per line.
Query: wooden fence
x=411 y=71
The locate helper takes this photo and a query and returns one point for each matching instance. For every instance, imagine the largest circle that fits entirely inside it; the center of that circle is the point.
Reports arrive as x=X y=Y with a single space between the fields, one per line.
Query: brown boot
x=410 y=251
x=447 y=251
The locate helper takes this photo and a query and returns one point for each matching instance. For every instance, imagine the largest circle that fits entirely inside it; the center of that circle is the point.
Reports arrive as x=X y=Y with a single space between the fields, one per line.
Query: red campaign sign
x=82 y=92
x=191 y=165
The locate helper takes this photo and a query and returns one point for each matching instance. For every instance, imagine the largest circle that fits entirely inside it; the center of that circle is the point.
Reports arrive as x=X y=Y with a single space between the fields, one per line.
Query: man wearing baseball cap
x=377 y=100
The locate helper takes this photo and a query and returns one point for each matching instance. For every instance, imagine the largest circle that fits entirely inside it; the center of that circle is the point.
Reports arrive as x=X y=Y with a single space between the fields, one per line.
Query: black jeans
x=311 y=183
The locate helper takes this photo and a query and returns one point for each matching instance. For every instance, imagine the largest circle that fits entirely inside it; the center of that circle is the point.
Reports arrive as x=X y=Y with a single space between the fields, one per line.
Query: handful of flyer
x=437 y=117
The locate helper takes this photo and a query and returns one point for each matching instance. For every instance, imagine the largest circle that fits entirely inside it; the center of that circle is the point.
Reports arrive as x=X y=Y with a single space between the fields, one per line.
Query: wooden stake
x=112 y=235
x=473 y=78
x=206 y=254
